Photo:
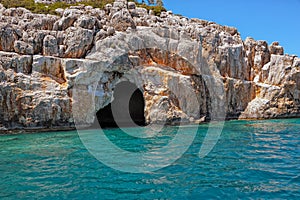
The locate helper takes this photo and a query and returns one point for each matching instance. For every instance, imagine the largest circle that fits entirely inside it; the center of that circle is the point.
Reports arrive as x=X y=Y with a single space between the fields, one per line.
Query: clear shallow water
x=255 y=159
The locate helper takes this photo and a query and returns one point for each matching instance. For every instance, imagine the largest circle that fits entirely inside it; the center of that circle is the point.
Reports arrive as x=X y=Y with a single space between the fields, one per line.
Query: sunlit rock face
x=56 y=72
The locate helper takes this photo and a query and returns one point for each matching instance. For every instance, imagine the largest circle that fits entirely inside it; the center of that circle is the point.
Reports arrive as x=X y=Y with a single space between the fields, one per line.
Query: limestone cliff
x=57 y=70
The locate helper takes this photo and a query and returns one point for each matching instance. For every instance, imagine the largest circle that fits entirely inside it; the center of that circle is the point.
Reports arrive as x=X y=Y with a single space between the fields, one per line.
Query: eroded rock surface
x=58 y=70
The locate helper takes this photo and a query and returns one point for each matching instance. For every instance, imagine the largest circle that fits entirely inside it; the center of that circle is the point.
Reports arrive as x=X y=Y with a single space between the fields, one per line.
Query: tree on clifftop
x=159 y=3
x=156 y=2
x=150 y=2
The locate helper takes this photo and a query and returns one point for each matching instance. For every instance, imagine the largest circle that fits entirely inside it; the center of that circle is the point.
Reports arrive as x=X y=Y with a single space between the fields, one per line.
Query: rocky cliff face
x=58 y=70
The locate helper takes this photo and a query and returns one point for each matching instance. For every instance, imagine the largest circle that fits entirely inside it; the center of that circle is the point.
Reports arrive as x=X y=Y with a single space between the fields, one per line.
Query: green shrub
x=34 y=7
x=50 y=8
x=156 y=9
x=97 y=3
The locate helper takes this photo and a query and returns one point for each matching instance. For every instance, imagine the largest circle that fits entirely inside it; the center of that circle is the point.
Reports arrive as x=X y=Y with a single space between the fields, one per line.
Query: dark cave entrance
x=126 y=110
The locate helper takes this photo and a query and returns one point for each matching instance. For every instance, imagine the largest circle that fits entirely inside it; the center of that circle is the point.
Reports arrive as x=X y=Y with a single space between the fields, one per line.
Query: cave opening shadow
x=123 y=90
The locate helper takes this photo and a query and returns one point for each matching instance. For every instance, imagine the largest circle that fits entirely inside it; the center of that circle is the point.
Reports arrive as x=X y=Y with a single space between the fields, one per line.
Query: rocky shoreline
x=187 y=69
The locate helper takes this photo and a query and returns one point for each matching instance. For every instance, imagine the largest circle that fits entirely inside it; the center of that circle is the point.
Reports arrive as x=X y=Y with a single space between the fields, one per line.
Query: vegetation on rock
x=42 y=8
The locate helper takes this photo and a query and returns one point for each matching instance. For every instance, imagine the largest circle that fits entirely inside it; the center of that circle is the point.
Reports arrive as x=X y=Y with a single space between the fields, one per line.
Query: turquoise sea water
x=252 y=160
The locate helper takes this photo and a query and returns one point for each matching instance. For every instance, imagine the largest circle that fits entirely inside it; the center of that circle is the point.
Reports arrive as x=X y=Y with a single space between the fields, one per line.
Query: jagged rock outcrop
x=55 y=71
x=50 y=46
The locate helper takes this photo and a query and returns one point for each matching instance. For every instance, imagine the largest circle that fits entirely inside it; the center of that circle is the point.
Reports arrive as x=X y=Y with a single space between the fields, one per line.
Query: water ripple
x=255 y=160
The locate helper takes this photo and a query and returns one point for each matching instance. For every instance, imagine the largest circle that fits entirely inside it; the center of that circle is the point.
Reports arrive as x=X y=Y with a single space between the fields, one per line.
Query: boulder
x=120 y=4
x=108 y=8
x=8 y=36
x=101 y=35
x=35 y=39
x=274 y=48
x=49 y=66
x=18 y=63
x=278 y=69
x=23 y=48
x=111 y=31
x=131 y=5
x=78 y=42
x=50 y=46
x=122 y=20
x=87 y=22
x=141 y=12
x=40 y=22
x=68 y=19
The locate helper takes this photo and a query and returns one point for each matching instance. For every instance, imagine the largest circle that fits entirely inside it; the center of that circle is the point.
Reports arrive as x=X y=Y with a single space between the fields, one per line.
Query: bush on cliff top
x=50 y=8
x=42 y=8
x=156 y=9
